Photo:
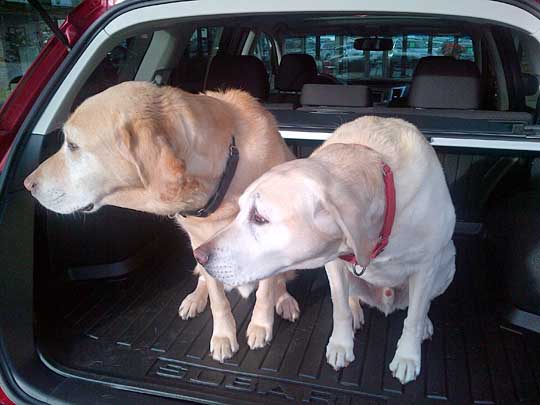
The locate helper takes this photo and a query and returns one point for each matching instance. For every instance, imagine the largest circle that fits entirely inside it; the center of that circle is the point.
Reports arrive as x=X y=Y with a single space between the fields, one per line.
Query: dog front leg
x=260 y=328
x=339 y=352
x=223 y=344
x=407 y=360
x=195 y=302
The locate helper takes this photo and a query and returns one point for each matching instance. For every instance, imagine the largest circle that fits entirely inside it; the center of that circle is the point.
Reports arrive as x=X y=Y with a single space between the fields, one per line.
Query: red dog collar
x=389 y=215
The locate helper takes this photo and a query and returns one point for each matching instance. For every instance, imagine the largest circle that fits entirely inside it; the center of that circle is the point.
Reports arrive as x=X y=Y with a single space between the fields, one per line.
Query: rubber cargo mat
x=129 y=334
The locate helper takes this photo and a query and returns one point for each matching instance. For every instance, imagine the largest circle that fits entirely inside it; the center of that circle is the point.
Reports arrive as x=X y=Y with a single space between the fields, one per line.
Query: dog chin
x=89 y=208
x=85 y=209
x=59 y=209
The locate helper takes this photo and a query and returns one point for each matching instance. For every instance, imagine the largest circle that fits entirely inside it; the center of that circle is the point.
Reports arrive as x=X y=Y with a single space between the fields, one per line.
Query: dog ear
x=157 y=166
x=352 y=195
x=351 y=218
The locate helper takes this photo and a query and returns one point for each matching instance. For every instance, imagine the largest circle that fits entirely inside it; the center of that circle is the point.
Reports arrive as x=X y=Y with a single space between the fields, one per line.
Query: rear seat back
x=238 y=71
x=445 y=82
x=295 y=70
x=328 y=95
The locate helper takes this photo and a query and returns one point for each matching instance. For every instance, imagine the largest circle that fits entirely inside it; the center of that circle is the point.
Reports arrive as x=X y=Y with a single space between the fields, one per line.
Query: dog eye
x=258 y=219
x=71 y=146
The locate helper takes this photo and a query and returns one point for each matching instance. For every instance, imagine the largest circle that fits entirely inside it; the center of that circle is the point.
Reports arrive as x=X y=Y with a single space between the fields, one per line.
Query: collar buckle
x=358 y=270
x=233 y=150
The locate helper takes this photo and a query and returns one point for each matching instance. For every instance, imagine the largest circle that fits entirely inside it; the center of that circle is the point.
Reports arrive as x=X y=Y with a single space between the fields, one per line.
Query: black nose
x=201 y=255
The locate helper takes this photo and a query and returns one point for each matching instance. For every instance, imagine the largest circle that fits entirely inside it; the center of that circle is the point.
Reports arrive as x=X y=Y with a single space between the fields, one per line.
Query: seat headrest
x=330 y=95
x=445 y=82
x=295 y=70
x=244 y=72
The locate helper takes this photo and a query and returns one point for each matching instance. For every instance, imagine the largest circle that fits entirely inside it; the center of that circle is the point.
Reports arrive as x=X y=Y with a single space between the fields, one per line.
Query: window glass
x=527 y=68
x=409 y=49
x=300 y=45
x=22 y=36
x=119 y=65
x=263 y=50
x=333 y=54
x=202 y=41
x=336 y=55
x=191 y=70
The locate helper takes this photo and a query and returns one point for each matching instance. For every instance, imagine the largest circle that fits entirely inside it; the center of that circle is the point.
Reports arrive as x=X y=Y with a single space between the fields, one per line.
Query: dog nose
x=201 y=255
x=29 y=183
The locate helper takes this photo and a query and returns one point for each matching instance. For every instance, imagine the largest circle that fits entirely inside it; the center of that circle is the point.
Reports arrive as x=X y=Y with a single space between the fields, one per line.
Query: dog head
x=301 y=214
x=127 y=147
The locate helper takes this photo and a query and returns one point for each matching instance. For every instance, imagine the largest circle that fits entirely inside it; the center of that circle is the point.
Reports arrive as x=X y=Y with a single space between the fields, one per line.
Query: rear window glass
x=264 y=51
x=336 y=55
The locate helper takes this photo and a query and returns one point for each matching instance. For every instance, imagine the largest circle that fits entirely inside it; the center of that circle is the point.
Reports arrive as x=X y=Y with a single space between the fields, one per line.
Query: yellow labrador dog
x=373 y=194
x=168 y=152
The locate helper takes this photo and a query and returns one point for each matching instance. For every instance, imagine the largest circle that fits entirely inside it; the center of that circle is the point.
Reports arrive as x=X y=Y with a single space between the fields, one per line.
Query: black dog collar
x=224 y=183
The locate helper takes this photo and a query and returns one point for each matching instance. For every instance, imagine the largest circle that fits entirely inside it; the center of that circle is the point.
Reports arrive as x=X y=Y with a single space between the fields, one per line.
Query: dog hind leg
x=445 y=275
x=286 y=305
x=407 y=360
x=357 y=312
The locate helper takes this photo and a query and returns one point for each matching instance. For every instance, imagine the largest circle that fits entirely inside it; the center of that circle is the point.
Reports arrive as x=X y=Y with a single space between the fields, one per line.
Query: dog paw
x=192 y=305
x=339 y=356
x=357 y=313
x=287 y=307
x=428 y=329
x=223 y=347
x=258 y=336
x=406 y=363
x=405 y=369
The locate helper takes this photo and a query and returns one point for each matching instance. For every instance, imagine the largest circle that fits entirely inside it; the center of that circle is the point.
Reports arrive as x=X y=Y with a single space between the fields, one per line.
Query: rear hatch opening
x=126 y=330
x=106 y=305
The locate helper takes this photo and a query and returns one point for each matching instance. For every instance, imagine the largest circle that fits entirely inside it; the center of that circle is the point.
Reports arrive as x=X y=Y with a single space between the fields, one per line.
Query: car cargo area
x=128 y=333
x=124 y=330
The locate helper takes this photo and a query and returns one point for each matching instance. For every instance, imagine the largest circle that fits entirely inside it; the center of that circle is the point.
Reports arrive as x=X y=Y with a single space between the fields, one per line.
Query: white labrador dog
x=309 y=212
